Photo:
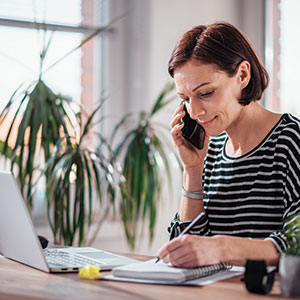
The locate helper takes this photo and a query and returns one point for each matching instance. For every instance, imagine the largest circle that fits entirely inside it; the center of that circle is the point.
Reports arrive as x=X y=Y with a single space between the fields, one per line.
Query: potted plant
x=289 y=266
x=98 y=174
x=144 y=155
x=77 y=175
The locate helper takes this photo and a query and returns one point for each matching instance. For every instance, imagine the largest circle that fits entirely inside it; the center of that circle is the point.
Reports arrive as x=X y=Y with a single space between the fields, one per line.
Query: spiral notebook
x=162 y=273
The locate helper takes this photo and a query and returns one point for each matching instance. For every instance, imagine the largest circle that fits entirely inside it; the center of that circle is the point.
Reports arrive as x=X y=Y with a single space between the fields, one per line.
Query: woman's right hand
x=190 y=155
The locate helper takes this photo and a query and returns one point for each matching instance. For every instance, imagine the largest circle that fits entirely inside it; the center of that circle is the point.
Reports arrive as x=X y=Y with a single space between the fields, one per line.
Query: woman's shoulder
x=289 y=118
x=288 y=133
x=289 y=125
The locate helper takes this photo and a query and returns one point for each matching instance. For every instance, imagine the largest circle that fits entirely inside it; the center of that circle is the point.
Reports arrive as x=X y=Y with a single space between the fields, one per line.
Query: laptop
x=19 y=242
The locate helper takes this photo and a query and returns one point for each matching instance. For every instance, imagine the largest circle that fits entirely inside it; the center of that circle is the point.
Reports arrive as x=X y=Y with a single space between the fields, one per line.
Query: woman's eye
x=206 y=95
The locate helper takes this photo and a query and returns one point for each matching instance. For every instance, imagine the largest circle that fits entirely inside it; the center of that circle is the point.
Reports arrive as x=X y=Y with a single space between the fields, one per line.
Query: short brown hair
x=225 y=46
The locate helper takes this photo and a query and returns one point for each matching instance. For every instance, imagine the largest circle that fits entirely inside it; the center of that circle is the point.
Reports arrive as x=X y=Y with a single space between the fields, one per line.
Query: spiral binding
x=199 y=272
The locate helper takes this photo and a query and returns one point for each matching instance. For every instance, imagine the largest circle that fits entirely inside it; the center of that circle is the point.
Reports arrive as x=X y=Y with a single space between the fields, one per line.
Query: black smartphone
x=193 y=131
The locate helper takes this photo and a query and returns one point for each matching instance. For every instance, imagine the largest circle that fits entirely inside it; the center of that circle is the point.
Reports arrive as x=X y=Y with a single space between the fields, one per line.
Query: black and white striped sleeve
x=290 y=147
x=200 y=228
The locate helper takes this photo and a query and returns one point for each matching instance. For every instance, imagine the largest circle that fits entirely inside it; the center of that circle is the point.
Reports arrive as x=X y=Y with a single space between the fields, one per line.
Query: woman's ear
x=244 y=73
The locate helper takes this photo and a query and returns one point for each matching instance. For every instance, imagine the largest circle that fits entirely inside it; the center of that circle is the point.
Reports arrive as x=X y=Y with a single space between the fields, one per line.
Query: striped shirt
x=252 y=195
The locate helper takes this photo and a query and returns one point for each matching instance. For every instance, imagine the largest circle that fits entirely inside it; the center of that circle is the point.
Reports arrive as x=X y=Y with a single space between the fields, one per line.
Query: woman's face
x=210 y=95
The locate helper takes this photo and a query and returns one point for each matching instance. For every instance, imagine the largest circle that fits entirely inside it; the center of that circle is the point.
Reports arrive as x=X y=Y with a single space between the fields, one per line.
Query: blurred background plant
x=291 y=230
x=40 y=117
x=76 y=176
x=147 y=159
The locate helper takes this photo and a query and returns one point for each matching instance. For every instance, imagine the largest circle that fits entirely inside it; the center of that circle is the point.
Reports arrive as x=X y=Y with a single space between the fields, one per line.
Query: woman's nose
x=196 y=110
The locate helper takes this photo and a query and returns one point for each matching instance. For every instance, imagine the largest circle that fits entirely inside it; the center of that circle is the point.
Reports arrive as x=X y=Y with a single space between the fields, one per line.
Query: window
x=77 y=76
x=69 y=21
x=282 y=51
x=289 y=56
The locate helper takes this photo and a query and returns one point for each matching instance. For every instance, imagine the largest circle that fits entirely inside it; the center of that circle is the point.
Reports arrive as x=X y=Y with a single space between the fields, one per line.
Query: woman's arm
x=190 y=208
x=192 y=181
x=193 y=161
x=191 y=250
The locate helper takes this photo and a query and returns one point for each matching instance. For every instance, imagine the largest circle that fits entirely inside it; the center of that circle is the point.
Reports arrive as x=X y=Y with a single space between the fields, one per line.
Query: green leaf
x=161 y=101
x=118 y=126
x=89 y=120
x=90 y=190
x=291 y=230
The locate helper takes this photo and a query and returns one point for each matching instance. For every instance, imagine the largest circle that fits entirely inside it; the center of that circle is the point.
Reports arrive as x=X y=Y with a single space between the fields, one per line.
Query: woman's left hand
x=190 y=251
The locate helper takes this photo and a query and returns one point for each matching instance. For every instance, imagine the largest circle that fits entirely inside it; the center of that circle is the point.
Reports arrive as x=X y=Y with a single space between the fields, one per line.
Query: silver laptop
x=18 y=240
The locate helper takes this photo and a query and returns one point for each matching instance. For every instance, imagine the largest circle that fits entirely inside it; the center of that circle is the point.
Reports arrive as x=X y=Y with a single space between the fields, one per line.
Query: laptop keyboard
x=59 y=258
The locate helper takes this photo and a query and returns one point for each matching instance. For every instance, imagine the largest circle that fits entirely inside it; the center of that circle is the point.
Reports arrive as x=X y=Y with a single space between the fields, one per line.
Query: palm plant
x=39 y=120
x=38 y=117
x=145 y=163
x=77 y=175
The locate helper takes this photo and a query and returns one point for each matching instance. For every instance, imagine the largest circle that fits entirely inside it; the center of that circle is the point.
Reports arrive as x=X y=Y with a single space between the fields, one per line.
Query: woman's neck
x=251 y=127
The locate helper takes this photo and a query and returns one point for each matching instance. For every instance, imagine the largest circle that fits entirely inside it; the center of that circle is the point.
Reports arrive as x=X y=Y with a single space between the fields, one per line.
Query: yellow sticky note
x=89 y=272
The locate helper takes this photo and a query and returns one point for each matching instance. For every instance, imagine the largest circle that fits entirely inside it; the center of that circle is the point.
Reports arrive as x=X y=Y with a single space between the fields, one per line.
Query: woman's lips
x=206 y=123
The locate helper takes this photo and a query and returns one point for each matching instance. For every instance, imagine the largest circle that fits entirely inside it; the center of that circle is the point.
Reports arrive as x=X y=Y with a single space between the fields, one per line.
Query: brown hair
x=225 y=46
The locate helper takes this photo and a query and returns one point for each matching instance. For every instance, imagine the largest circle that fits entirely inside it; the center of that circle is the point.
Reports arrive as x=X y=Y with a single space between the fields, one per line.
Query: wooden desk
x=18 y=281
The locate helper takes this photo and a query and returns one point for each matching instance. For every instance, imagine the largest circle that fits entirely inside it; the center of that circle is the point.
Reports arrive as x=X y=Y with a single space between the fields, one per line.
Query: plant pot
x=289 y=271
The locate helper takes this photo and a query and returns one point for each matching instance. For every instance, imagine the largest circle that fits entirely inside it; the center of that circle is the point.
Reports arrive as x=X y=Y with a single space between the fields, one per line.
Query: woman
x=249 y=166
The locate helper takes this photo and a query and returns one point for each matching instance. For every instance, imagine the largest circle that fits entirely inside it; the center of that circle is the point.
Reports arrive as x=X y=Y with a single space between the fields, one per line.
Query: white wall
x=137 y=55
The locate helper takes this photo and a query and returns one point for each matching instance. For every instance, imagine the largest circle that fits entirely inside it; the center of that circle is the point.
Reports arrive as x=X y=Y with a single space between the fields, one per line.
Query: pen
x=186 y=229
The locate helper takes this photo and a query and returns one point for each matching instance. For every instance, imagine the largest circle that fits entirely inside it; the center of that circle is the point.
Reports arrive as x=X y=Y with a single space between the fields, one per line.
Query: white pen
x=189 y=227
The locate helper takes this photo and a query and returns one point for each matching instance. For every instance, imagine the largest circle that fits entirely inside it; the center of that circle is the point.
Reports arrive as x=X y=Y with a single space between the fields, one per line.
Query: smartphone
x=193 y=131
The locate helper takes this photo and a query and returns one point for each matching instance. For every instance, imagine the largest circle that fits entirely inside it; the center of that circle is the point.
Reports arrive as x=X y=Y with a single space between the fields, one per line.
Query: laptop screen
x=18 y=240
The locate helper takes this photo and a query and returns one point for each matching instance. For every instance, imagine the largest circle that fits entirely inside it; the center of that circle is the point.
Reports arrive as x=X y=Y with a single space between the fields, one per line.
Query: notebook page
x=149 y=270
x=235 y=271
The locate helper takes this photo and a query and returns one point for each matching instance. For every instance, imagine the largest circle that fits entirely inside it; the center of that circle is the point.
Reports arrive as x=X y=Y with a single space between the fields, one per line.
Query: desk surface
x=18 y=281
